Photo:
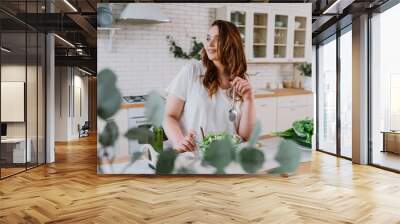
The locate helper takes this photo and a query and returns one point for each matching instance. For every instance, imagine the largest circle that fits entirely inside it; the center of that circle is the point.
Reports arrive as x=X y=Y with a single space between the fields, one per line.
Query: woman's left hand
x=243 y=88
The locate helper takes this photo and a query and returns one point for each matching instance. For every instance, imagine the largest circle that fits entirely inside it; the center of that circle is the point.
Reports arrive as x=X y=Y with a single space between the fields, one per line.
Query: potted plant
x=305 y=70
x=301 y=133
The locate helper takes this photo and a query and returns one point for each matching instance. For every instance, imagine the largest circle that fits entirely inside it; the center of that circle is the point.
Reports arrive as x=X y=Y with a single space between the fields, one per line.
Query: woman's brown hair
x=231 y=53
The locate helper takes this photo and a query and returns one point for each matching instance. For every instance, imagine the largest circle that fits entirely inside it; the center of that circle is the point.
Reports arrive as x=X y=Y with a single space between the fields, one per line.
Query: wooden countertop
x=283 y=92
x=129 y=105
x=277 y=93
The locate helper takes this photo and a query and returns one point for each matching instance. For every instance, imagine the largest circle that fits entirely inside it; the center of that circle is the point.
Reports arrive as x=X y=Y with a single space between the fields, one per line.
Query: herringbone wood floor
x=328 y=190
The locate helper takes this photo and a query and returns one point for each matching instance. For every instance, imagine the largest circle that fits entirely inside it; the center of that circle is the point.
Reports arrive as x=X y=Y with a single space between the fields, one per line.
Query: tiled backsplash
x=140 y=54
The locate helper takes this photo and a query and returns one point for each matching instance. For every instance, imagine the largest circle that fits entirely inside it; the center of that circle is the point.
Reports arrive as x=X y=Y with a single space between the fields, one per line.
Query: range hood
x=142 y=13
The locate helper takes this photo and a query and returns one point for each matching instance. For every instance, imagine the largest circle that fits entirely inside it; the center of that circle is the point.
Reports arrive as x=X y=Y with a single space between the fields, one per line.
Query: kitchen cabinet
x=279 y=113
x=287 y=115
x=272 y=33
x=266 y=114
x=292 y=108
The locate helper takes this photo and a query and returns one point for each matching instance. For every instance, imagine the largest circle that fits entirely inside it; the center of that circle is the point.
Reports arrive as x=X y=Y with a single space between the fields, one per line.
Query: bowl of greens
x=301 y=132
x=209 y=138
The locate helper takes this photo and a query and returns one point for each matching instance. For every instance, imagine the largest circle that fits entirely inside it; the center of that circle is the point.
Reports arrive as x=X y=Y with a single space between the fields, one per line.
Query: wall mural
x=210 y=117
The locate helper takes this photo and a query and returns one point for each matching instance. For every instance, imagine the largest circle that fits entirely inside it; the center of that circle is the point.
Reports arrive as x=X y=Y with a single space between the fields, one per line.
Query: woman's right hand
x=186 y=144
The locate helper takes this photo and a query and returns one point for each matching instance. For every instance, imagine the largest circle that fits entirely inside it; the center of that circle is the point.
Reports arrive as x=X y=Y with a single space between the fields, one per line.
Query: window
x=22 y=74
x=327 y=96
x=346 y=93
x=385 y=89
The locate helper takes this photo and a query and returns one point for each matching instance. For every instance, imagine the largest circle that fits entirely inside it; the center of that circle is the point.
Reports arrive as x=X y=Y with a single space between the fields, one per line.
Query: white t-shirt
x=212 y=114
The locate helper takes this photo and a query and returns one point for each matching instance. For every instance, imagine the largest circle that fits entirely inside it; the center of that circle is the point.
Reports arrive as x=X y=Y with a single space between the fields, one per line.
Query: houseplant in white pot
x=305 y=70
x=301 y=133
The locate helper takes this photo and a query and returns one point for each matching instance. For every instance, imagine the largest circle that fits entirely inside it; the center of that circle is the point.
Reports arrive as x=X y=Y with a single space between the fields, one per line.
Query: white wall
x=140 y=54
x=12 y=73
x=68 y=82
x=33 y=126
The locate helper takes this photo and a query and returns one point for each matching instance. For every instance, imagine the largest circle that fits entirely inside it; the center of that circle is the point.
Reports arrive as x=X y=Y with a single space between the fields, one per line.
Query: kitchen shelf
x=259 y=44
x=281 y=28
x=280 y=45
x=259 y=27
x=300 y=30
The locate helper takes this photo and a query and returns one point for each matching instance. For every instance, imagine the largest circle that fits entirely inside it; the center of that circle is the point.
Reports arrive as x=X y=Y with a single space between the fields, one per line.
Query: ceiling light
x=5 y=50
x=84 y=71
x=65 y=41
x=70 y=5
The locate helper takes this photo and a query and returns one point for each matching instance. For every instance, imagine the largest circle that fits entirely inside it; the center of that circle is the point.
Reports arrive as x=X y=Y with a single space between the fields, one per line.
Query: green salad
x=209 y=138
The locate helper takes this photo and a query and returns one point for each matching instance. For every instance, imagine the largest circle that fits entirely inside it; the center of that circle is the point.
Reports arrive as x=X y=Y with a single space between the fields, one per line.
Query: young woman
x=200 y=97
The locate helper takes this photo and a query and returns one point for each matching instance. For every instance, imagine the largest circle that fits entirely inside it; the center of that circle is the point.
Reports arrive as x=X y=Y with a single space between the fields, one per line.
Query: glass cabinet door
x=300 y=24
x=260 y=35
x=239 y=19
x=281 y=31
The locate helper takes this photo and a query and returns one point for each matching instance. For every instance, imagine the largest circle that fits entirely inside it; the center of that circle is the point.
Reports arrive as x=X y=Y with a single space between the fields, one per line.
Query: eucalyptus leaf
x=255 y=134
x=142 y=134
x=109 y=134
x=288 y=156
x=166 y=161
x=251 y=159
x=135 y=156
x=108 y=96
x=219 y=154
x=154 y=108
x=184 y=170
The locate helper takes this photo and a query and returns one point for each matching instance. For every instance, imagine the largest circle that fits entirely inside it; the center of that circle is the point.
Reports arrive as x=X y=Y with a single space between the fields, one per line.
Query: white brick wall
x=140 y=53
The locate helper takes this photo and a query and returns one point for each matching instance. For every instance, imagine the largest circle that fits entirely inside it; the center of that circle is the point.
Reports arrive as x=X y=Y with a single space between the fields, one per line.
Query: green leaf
x=209 y=138
x=184 y=170
x=135 y=156
x=255 y=134
x=289 y=133
x=108 y=96
x=154 y=108
x=288 y=156
x=142 y=134
x=305 y=68
x=109 y=134
x=251 y=159
x=219 y=154
x=166 y=161
x=179 y=53
x=301 y=132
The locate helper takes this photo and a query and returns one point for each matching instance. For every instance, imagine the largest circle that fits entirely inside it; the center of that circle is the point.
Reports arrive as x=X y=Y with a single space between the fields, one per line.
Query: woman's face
x=211 y=44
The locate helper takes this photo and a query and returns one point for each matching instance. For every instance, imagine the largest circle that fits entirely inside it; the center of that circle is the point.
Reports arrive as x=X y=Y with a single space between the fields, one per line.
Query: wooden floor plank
x=327 y=190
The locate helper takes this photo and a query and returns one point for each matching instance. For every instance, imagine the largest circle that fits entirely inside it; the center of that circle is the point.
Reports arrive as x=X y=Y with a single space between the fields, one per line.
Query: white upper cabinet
x=272 y=33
